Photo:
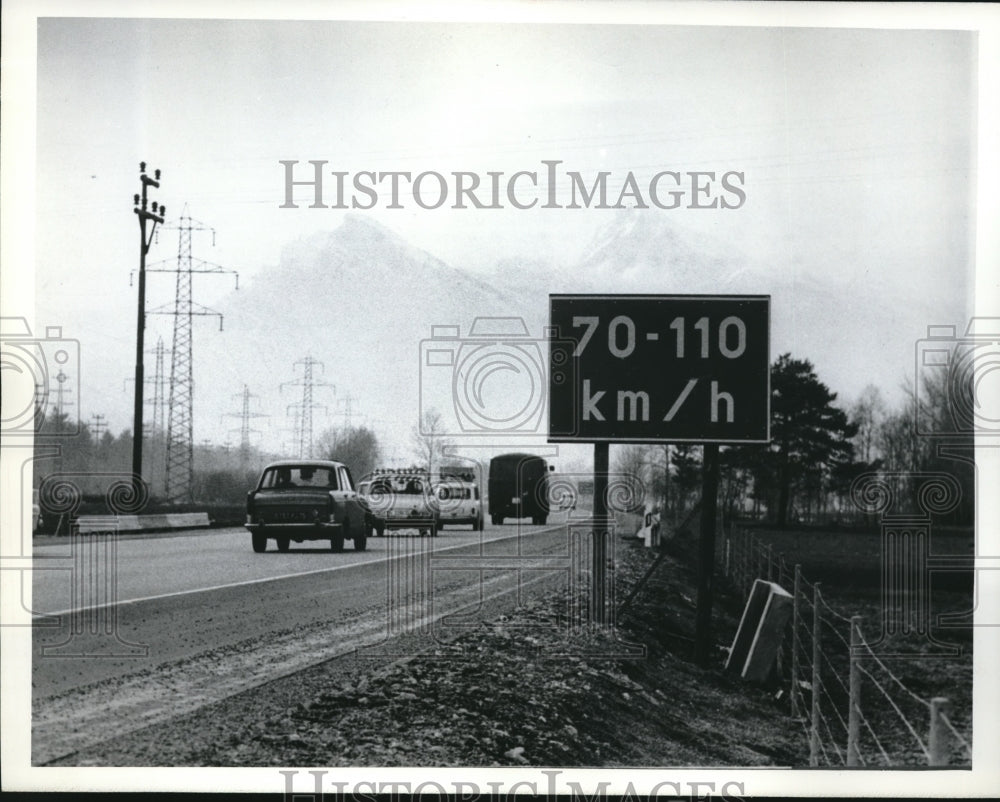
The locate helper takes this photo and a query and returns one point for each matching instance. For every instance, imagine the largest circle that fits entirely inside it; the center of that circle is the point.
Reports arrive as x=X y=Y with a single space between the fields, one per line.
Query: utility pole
x=600 y=535
x=41 y=404
x=706 y=553
x=61 y=378
x=98 y=426
x=159 y=425
x=156 y=215
x=304 y=408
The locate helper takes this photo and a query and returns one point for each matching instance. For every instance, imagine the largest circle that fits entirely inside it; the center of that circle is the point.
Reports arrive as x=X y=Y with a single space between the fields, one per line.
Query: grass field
x=921 y=635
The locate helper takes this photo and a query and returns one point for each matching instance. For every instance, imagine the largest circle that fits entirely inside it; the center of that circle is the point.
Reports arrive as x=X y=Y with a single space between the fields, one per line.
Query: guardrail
x=142 y=523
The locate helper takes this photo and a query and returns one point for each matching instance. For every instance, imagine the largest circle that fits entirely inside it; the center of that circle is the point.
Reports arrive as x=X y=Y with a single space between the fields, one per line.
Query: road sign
x=659 y=368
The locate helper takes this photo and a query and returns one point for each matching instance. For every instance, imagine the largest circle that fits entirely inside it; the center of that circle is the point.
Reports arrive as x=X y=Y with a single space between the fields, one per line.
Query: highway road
x=130 y=631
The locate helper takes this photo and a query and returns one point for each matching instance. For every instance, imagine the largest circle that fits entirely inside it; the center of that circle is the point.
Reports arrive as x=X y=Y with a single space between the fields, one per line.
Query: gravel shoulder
x=515 y=687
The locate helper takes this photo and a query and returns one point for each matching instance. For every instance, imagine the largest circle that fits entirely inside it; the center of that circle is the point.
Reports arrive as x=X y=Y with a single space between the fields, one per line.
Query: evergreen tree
x=685 y=460
x=809 y=434
x=810 y=440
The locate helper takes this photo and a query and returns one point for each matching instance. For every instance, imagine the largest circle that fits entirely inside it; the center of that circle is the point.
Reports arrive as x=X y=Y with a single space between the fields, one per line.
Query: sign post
x=706 y=553
x=600 y=534
x=659 y=369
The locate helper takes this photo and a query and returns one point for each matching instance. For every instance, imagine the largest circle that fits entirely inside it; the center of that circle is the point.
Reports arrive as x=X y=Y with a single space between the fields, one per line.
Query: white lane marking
x=76 y=610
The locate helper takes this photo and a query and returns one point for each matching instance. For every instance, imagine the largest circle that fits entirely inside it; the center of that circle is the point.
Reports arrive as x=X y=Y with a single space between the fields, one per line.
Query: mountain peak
x=634 y=239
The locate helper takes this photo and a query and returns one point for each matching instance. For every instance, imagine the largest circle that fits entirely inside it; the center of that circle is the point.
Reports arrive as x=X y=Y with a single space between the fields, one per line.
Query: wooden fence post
x=854 y=701
x=794 y=690
x=937 y=739
x=814 y=724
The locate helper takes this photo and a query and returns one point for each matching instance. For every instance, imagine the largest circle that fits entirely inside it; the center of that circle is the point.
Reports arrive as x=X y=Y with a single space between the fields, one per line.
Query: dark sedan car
x=304 y=500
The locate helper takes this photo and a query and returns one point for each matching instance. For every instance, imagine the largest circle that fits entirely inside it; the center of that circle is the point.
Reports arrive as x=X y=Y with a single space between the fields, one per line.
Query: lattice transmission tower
x=304 y=408
x=159 y=382
x=348 y=412
x=180 y=405
x=157 y=473
x=156 y=432
x=245 y=416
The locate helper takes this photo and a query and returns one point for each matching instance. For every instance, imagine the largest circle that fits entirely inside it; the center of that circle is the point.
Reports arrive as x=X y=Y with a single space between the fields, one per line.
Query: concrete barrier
x=142 y=523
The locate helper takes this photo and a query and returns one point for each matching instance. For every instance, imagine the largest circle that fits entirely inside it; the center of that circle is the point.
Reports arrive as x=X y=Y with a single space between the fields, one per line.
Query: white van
x=457 y=502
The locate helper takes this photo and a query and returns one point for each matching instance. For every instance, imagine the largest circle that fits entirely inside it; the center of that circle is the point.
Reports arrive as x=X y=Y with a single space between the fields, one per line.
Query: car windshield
x=410 y=485
x=446 y=492
x=397 y=484
x=299 y=476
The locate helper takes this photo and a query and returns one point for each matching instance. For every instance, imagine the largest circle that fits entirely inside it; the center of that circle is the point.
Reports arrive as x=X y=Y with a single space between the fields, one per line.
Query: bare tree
x=633 y=468
x=429 y=439
x=355 y=446
x=868 y=413
x=631 y=460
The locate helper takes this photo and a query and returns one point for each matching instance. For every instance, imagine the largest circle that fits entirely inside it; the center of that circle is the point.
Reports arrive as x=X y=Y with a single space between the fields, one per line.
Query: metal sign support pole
x=706 y=553
x=599 y=562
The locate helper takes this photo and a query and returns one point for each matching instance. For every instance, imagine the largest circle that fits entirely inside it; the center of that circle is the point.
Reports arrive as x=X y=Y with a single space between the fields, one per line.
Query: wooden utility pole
x=156 y=216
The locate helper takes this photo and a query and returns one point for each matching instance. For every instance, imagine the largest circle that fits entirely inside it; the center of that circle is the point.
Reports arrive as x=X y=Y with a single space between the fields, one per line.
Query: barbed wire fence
x=853 y=709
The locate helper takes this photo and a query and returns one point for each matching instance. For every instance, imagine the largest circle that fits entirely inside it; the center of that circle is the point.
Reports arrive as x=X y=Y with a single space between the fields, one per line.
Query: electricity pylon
x=180 y=429
x=304 y=408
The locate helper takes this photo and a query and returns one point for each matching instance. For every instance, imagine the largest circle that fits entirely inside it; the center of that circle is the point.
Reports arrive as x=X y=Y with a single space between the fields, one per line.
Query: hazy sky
x=857 y=149
x=860 y=120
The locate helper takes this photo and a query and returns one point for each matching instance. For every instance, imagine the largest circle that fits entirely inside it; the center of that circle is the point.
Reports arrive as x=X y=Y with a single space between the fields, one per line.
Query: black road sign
x=659 y=368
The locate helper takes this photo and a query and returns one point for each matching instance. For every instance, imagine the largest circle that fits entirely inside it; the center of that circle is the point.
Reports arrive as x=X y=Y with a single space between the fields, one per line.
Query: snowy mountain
x=359 y=300
x=364 y=302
